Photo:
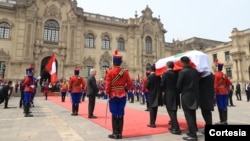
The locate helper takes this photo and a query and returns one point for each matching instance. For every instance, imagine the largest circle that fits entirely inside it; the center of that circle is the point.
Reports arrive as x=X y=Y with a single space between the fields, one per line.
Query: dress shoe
x=92 y=117
x=73 y=114
x=28 y=115
x=151 y=125
x=221 y=123
x=190 y=138
x=113 y=136
x=175 y=131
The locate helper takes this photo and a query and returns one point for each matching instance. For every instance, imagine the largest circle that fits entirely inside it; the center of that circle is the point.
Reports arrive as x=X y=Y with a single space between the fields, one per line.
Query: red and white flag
x=51 y=68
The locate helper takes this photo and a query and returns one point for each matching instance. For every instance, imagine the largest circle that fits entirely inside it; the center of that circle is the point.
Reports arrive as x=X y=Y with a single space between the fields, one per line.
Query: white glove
x=32 y=86
x=39 y=77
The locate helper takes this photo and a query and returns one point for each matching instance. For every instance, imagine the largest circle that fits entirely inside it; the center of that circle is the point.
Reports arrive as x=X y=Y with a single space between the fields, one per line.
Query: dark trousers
x=248 y=96
x=21 y=100
x=238 y=95
x=207 y=116
x=6 y=100
x=153 y=114
x=173 y=118
x=190 y=116
x=91 y=105
x=230 y=99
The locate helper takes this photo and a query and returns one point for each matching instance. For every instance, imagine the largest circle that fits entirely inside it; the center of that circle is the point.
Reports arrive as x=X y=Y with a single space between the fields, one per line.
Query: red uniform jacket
x=117 y=89
x=27 y=83
x=221 y=82
x=76 y=84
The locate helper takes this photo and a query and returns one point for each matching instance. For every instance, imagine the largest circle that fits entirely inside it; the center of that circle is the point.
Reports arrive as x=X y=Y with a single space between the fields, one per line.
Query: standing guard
x=116 y=84
x=76 y=86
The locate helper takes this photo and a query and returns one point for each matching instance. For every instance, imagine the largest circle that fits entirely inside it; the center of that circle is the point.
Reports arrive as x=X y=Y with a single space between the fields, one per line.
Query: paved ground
x=52 y=122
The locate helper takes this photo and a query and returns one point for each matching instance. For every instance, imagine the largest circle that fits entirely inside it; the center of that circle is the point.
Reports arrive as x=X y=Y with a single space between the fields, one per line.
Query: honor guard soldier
x=116 y=83
x=76 y=86
x=29 y=89
x=221 y=82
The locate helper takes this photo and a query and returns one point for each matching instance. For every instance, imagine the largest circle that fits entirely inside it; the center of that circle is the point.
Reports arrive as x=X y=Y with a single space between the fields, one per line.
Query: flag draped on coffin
x=199 y=60
x=51 y=68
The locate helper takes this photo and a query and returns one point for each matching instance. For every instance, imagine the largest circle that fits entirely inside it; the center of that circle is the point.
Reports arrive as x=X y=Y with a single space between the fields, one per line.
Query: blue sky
x=183 y=19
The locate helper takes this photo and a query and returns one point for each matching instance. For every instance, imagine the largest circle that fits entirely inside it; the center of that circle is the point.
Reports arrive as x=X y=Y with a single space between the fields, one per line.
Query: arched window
x=4 y=30
x=121 y=44
x=148 y=44
x=89 y=41
x=105 y=42
x=51 y=31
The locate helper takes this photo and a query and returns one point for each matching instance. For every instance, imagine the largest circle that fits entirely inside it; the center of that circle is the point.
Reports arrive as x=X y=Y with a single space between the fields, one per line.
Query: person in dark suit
x=206 y=96
x=188 y=85
x=238 y=91
x=171 y=96
x=92 y=91
x=153 y=85
x=5 y=94
x=230 y=95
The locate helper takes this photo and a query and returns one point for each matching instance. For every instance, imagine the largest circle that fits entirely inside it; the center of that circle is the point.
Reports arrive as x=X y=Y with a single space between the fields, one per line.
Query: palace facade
x=32 y=30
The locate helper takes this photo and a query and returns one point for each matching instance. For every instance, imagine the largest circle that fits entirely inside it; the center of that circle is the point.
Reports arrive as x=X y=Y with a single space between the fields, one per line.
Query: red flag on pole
x=51 y=68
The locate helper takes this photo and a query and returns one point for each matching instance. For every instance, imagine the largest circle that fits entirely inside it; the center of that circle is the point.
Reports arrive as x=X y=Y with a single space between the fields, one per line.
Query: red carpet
x=135 y=121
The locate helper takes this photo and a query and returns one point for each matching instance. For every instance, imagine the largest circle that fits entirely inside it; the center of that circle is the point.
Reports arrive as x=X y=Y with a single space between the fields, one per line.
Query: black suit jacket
x=153 y=85
x=206 y=93
x=188 y=85
x=92 y=88
x=171 y=95
x=4 y=91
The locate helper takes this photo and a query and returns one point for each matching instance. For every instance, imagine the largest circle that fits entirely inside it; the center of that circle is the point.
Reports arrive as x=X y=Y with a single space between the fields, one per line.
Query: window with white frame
x=51 y=31
x=4 y=30
x=105 y=42
x=148 y=44
x=121 y=44
x=89 y=41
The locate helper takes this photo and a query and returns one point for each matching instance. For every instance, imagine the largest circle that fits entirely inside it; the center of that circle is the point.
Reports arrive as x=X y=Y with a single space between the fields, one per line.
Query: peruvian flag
x=51 y=68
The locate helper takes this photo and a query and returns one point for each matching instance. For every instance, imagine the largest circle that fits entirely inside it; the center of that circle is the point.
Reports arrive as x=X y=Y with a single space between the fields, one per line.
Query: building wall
x=26 y=44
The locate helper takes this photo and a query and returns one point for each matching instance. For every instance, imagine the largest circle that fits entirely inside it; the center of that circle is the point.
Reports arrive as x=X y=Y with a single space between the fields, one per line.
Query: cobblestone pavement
x=52 y=122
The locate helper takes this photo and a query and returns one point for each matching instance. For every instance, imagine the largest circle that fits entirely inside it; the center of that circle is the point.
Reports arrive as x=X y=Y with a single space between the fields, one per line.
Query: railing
x=9 y=1
x=106 y=18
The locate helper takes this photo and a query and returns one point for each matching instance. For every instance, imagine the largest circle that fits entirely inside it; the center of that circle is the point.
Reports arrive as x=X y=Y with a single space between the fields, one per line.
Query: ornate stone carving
x=147 y=13
x=106 y=56
x=53 y=11
x=148 y=29
x=89 y=61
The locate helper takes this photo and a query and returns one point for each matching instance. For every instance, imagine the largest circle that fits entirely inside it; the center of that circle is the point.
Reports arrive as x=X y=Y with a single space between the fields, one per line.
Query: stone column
x=237 y=68
x=241 y=70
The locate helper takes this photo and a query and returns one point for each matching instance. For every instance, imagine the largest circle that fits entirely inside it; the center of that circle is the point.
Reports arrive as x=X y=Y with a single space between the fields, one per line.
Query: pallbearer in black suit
x=171 y=96
x=206 y=96
x=154 y=86
x=188 y=85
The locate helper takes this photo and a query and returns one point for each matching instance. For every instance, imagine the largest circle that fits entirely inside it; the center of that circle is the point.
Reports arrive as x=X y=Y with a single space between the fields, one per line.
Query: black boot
x=120 y=127
x=76 y=110
x=114 y=135
x=147 y=106
x=224 y=117
x=27 y=112
x=73 y=110
x=132 y=98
